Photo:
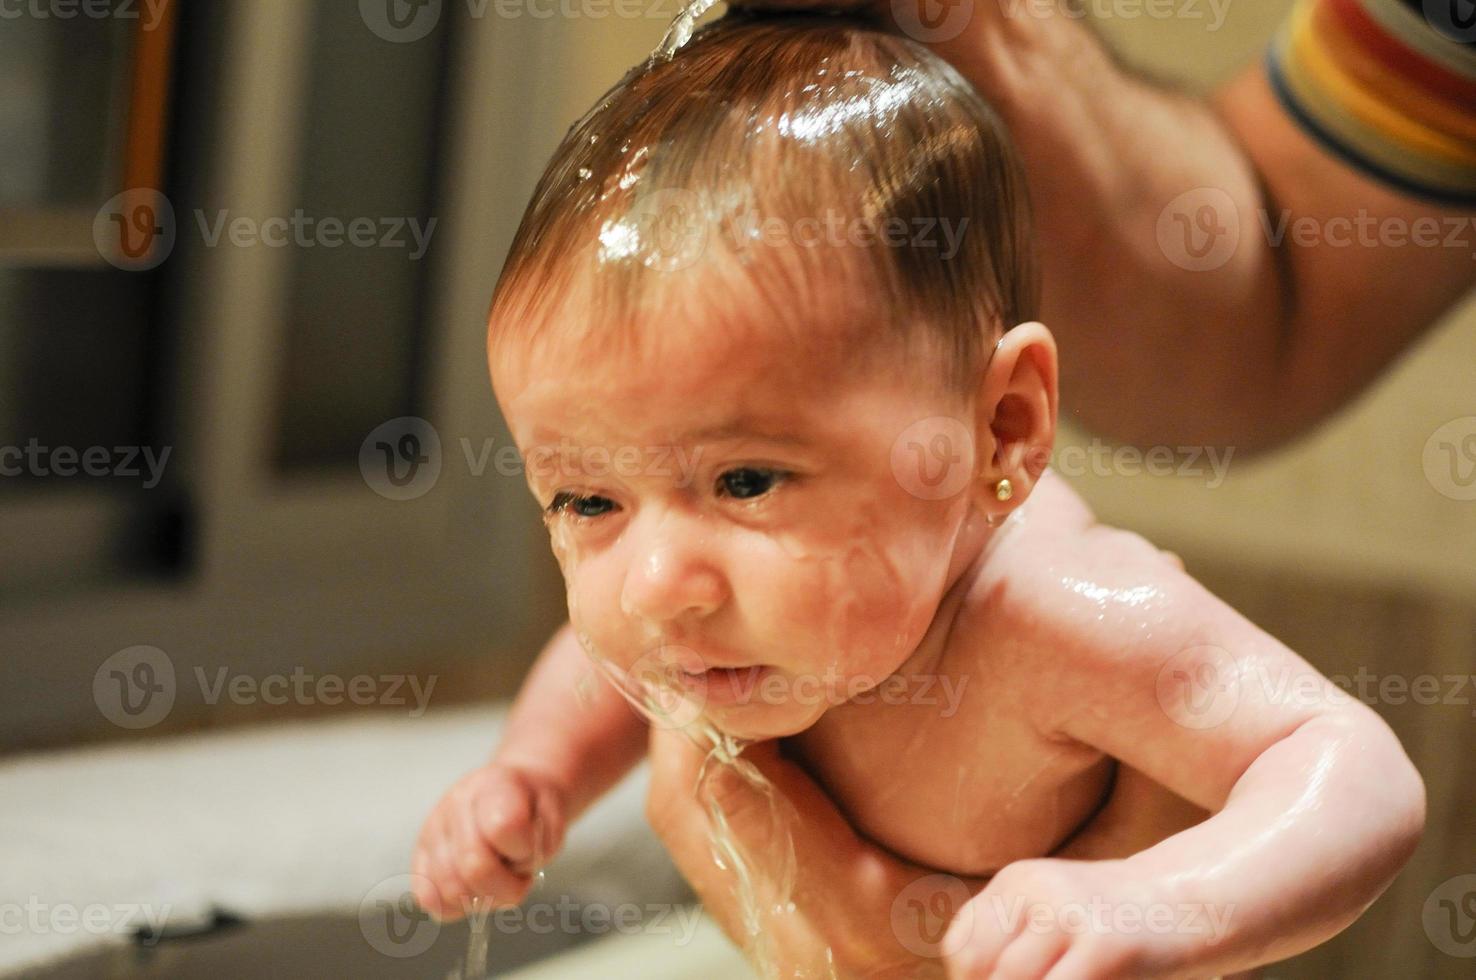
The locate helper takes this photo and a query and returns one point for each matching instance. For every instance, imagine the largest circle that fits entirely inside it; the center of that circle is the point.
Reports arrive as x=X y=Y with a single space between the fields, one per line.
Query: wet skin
x=1025 y=648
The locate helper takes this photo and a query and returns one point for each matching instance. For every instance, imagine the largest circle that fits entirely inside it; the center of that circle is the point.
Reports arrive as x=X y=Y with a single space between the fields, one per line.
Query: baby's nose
x=672 y=579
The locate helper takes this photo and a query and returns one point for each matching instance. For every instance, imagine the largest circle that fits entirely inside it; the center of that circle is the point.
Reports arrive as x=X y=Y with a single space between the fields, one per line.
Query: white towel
x=261 y=822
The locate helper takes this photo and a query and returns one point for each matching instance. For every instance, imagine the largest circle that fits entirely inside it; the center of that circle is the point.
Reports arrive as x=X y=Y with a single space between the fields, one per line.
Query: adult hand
x=874 y=913
x=879 y=916
x=1155 y=212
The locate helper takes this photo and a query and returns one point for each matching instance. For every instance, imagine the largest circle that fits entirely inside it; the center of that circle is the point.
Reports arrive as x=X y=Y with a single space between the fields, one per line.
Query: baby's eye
x=746 y=482
x=582 y=506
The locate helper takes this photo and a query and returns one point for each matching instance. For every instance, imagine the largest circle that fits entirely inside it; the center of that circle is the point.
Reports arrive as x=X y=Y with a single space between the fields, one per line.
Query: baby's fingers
x=501 y=813
x=437 y=885
x=523 y=823
x=1031 y=955
x=978 y=939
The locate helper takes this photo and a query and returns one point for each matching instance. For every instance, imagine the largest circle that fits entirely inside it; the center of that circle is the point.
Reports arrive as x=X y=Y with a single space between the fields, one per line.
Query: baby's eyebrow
x=743 y=429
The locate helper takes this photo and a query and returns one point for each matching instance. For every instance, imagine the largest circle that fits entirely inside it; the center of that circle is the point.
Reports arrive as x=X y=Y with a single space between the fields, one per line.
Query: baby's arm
x=569 y=737
x=1315 y=805
x=571 y=725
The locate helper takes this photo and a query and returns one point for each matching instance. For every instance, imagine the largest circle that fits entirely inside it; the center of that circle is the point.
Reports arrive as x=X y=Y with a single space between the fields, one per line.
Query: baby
x=765 y=339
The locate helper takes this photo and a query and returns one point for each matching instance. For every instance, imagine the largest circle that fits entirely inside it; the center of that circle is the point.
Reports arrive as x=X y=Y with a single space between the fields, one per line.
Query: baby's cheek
x=594 y=608
x=847 y=614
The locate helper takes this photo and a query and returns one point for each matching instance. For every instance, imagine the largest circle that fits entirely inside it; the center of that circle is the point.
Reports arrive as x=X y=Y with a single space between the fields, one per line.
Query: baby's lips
x=683 y=658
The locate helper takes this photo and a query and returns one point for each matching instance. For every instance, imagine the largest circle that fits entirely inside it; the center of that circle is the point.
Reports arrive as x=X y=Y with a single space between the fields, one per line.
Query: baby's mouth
x=726 y=685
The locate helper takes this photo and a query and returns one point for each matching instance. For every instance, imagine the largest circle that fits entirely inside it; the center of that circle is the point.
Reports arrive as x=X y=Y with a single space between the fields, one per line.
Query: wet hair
x=792 y=172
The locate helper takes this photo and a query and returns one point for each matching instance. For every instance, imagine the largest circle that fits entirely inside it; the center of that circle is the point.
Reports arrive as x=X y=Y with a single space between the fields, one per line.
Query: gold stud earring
x=1004 y=489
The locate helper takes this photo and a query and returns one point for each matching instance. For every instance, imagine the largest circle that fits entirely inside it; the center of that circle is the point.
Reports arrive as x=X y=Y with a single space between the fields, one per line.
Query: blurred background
x=267 y=580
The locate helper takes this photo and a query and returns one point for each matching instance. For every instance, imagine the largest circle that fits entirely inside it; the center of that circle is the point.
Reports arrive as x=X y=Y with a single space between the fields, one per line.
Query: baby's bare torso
x=952 y=769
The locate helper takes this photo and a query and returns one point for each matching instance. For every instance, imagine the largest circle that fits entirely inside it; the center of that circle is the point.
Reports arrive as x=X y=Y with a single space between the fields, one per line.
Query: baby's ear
x=1017 y=404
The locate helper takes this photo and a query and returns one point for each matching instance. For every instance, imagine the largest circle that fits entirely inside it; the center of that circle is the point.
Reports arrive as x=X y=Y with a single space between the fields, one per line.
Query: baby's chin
x=761 y=722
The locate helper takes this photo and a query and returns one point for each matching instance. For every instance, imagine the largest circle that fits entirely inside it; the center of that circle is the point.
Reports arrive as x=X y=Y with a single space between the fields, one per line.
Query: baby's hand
x=1063 y=918
x=485 y=839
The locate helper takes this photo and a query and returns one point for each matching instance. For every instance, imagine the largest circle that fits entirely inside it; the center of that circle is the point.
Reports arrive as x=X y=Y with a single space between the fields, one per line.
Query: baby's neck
x=927 y=659
x=931 y=668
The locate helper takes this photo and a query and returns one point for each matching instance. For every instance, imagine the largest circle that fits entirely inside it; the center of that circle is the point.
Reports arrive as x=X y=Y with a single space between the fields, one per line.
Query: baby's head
x=753 y=341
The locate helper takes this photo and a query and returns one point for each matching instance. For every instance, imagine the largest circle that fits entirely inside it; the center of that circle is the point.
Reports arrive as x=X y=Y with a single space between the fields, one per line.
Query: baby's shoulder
x=1055 y=534
x=1055 y=575
x=1066 y=612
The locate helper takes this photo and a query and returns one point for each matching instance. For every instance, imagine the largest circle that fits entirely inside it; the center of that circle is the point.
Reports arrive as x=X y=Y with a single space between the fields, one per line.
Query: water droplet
x=585 y=173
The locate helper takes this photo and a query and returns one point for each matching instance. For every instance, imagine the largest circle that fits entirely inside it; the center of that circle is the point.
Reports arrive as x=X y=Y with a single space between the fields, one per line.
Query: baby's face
x=726 y=515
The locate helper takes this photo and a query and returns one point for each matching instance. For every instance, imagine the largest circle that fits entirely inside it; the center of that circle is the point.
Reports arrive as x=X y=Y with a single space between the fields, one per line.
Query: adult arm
x=1255 y=349
x=1296 y=290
